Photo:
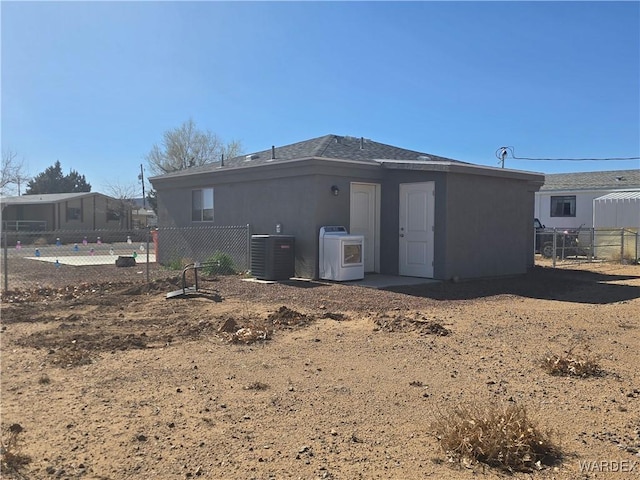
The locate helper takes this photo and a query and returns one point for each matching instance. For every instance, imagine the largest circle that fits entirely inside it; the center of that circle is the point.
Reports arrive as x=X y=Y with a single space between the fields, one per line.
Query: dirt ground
x=312 y=380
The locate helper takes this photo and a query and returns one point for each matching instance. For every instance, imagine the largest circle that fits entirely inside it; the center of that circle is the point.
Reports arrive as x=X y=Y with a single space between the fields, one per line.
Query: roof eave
x=467 y=168
x=268 y=163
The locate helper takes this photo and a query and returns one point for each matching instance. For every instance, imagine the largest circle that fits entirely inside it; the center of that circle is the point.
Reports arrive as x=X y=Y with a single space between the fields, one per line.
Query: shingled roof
x=610 y=180
x=328 y=146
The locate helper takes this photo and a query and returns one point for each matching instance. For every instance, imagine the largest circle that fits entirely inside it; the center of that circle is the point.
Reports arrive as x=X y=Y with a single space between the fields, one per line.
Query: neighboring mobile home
x=64 y=211
x=421 y=215
x=566 y=199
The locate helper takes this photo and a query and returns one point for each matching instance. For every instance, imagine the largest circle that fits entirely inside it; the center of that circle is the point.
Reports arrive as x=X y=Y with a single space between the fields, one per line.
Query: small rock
x=16 y=428
x=304 y=448
x=141 y=438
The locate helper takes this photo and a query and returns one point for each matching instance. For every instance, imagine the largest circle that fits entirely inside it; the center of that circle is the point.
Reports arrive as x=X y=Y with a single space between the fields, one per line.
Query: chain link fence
x=588 y=245
x=176 y=247
x=34 y=259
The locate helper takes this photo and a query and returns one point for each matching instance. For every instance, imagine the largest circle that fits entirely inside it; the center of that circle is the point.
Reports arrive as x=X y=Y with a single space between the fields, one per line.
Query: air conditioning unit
x=273 y=257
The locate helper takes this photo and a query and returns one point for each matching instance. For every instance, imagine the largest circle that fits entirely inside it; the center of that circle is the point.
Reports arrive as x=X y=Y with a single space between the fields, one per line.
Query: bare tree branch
x=12 y=173
x=186 y=146
x=125 y=193
x=122 y=191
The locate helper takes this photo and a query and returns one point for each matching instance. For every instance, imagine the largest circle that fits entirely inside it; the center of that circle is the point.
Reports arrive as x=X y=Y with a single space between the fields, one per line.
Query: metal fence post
x=6 y=266
x=148 y=234
x=555 y=244
x=248 y=247
x=622 y=245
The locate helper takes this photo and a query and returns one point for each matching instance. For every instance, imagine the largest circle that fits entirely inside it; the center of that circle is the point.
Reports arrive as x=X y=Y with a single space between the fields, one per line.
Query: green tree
x=53 y=181
x=152 y=200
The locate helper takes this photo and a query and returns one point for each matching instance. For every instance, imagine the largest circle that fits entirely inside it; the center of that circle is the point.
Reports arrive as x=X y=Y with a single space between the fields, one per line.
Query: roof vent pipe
x=361 y=143
x=273 y=152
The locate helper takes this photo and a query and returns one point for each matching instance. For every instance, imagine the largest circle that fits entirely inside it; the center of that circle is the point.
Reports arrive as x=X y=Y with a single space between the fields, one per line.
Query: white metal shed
x=617 y=210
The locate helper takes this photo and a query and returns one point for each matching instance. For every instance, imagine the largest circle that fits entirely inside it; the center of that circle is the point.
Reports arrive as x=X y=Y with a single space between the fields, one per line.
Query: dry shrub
x=501 y=436
x=257 y=386
x=11 y=460
x=572 y=363
x=251 y=330
x=68 y=357
x=401 y=323
x=251 y=334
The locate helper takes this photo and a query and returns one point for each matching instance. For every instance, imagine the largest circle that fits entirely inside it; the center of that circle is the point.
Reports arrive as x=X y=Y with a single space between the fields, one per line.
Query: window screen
x=202 y=205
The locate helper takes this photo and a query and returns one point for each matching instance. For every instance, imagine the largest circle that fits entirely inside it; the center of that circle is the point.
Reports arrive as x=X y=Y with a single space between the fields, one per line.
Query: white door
x=365 y=220
x=417 y=209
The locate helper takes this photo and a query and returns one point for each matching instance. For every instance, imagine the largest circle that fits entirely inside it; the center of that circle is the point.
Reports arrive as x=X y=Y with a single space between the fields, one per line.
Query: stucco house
x=421 y=215
x=566 y=200
x=64 y=211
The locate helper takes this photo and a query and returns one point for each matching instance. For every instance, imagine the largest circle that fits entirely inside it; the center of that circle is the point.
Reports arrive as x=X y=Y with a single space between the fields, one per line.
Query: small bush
x=572 y=363
x=219 y=264
x=500 y=436
x=175 y=264
x=11 y=460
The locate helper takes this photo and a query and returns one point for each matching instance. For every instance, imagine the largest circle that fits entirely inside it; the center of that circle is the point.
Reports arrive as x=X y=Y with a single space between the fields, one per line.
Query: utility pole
x=141 y=178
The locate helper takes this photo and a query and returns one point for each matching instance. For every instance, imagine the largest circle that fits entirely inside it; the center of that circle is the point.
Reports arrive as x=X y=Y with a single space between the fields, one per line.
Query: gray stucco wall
x=488 y=229
x=483 y=223
x=298 y=197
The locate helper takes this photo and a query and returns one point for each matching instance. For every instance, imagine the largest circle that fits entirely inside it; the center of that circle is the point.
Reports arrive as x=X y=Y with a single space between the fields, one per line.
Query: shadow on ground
x=540 y=282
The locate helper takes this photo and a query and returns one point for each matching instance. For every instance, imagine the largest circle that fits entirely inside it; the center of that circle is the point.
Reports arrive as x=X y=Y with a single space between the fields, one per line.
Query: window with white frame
x=563 y=206
x=202 y=205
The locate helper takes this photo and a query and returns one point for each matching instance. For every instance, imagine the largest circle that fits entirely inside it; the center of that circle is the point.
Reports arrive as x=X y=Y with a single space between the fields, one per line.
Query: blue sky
x=95 y=85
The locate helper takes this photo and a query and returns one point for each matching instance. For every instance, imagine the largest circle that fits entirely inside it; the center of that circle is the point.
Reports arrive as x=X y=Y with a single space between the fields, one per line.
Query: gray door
x=417 y=209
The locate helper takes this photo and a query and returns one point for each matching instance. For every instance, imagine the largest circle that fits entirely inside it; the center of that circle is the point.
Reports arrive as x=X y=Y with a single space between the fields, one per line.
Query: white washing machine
x=340 y=254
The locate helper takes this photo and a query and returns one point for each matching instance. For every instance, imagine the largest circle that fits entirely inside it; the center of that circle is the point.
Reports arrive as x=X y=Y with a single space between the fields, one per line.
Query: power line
x=503 y=152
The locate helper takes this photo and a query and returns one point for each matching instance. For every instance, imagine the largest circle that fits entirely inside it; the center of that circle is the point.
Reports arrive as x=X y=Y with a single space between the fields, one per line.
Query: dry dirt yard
x=313 y=379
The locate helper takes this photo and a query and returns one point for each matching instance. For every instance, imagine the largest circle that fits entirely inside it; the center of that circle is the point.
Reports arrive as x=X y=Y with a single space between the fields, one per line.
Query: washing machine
x=340 y=254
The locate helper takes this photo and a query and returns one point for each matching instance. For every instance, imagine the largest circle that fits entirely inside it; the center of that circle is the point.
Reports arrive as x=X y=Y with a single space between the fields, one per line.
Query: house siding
x=93 y=216
x=584 y=207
